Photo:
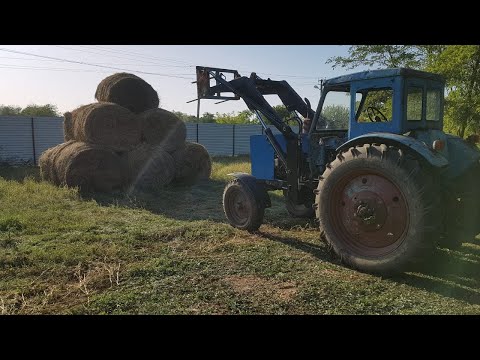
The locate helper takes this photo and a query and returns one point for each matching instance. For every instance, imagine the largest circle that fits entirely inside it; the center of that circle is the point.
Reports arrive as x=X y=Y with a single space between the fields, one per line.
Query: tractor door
x=375 y=106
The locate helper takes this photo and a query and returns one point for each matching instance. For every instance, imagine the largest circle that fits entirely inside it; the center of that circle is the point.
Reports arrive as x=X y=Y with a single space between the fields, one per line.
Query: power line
x=150 y=63
x=90 y=64
x=49 y=58
x=19 y=67
x=25 y=67
x=180 y=61
x=115 y=64
x=104 y=48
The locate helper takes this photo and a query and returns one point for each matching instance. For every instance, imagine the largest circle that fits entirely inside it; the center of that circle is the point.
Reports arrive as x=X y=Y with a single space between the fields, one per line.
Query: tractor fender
x=402 y=142
x=256 y=186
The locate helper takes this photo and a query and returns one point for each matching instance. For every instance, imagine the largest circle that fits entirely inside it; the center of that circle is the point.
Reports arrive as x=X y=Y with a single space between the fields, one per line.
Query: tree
x=337 y=116
x=282 y=111
x=30 y=110
x=40 y=110
x=185 y=117
x=243 y=117
x=390 y=56
x=10 y=110
x=207 y=118
x=460 y=64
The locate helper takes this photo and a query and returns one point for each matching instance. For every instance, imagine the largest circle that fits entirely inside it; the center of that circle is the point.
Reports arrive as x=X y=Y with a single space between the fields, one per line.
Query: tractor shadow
x=453 y=274
x=201 y=201
x=321 y=251
x=450 y=273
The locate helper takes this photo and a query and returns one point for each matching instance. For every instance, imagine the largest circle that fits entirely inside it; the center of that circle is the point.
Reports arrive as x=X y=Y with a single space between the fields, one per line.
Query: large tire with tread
x=462 y=210
x=242 y=209
x=378 y=209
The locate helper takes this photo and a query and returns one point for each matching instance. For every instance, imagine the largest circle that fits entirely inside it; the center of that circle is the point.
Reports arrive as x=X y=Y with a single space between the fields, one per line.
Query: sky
x=63 y=75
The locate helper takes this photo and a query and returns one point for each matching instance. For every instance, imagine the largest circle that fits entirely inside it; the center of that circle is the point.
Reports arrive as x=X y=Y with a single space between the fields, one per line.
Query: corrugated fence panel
x=191 y=132
x=217 y=138
x=48 y=133
x=16 y=145
x=242 y=137
x=16 y=139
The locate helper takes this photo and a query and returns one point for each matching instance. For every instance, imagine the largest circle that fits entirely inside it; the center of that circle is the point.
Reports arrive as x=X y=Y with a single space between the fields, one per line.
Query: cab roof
x=375 y=74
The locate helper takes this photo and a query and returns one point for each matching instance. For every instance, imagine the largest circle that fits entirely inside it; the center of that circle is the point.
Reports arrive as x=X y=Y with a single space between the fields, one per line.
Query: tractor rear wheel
x=242 y=208
x=378 y=209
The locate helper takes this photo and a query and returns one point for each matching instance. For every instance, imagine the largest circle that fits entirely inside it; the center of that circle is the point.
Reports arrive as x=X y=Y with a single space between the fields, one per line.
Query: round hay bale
x=45 y=164
x=90 y=167
x=150 y=167
x=164 y=128
x=129 y=91
x=196 y=164
x=47 y=161
x=179 y=154
x=106 y=124
x=56 y=177
x=67 y=126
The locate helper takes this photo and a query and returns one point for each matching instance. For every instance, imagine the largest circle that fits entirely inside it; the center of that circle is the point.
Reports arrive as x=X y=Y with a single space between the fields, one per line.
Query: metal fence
x=23 y=139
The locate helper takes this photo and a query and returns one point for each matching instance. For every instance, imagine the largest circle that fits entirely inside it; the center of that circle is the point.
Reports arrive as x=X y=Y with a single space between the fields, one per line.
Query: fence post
x=33 y=142
x=197 y=132
x=233 y=140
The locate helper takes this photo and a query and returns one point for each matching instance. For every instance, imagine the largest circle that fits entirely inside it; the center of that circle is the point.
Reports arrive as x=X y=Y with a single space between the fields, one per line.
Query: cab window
x=377 y=106
x=434 y=104
x=335 y=113
x=414 y=103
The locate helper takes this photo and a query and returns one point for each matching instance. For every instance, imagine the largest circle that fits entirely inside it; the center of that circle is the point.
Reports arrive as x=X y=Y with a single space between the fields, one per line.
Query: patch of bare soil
x=254 y=285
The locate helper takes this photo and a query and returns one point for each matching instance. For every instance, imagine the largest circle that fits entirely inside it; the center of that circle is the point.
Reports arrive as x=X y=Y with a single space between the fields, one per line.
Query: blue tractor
x=372 y=164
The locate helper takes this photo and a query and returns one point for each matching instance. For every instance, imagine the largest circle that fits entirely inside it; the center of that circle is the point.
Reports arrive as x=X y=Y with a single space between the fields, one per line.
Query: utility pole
x=319 y=85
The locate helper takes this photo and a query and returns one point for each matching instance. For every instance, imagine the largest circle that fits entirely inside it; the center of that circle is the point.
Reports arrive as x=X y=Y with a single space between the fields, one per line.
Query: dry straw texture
x=150 y=167
x=195 y=165
x=161 y=127
x=129 y=91
x=67 y=126
x=106 y=124
x=90 y=167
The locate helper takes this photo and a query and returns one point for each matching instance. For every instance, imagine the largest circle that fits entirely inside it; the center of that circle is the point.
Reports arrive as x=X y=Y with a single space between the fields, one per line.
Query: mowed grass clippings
x=171 y=251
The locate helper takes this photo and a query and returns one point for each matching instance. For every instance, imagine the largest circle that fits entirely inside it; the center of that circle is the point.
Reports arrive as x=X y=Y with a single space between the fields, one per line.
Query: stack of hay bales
x=124 y=141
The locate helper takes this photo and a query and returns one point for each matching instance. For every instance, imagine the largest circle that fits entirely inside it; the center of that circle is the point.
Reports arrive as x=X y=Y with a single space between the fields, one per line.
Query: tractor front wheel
x=378 y=209
x=242 y=208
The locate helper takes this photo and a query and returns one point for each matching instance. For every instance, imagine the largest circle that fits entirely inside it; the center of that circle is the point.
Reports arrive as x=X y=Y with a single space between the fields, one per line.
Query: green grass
x=172 y=252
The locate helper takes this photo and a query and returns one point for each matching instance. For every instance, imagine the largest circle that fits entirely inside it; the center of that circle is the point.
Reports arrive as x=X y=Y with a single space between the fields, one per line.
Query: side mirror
x=308 y=104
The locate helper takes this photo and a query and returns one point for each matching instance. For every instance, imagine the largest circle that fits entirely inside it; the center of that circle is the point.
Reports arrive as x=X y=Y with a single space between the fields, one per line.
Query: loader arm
x=251 y=90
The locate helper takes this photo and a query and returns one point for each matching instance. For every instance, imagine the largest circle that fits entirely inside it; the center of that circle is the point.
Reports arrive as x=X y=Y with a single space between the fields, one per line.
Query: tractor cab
x=392 y=100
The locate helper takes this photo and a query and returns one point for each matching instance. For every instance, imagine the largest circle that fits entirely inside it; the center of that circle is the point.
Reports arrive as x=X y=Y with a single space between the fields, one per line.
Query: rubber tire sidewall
x=255 y=217
x=414 y=240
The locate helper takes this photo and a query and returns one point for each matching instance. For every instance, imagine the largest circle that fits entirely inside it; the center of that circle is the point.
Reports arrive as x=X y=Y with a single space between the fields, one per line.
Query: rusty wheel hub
x=370 y=213
x=239 y=206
